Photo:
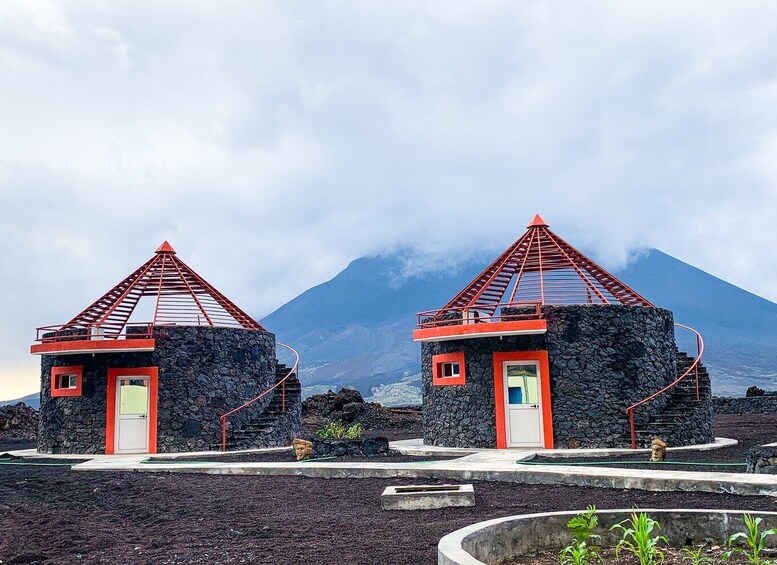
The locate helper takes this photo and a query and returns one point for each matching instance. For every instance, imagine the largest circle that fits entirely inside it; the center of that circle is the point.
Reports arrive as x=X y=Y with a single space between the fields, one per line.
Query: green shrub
x=335 y=429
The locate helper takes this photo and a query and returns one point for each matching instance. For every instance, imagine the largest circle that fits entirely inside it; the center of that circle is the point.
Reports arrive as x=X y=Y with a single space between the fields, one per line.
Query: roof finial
x=165 y=248
x=537 y=221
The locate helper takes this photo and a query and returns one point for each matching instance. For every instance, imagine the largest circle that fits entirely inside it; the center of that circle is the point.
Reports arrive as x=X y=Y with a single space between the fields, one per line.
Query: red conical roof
x=542 y=268
x=182 y=298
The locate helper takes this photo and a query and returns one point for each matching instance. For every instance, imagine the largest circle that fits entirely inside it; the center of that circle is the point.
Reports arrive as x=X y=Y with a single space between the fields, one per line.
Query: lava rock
x=18 y=421
x=346 y=396
x=762 y=459
x=367 y=447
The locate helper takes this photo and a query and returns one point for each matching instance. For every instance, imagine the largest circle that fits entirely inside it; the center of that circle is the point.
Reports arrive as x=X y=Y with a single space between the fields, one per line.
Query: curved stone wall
x=499 y=540
x=203 y=373
x=602 y=359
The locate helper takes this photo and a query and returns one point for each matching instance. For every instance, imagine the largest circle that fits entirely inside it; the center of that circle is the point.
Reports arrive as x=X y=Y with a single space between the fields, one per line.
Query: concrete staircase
x=277 y=424
x=683 y=420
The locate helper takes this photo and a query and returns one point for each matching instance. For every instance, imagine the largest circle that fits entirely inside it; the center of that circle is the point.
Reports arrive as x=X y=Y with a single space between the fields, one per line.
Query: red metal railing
x=476 y=315
x=92 y=332
x=694 y=368
x=281 y=383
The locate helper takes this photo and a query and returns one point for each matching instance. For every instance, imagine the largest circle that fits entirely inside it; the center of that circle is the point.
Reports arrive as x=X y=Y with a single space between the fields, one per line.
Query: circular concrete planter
x=496 y=540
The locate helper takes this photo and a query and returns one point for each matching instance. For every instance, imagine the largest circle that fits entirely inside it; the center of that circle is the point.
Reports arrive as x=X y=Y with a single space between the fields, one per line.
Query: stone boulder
x=754 y=391
x=348 y=406
x=346 y=396
x=18 y=421
x=762 y=459
x=367 y=447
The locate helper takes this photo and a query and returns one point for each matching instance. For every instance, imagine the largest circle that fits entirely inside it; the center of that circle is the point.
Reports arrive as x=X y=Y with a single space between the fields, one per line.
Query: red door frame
x=110 y=409
x=547 y=416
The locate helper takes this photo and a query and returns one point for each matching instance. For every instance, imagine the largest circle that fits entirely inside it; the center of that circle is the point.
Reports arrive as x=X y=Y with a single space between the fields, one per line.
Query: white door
x=132 y=397
x=523 y=404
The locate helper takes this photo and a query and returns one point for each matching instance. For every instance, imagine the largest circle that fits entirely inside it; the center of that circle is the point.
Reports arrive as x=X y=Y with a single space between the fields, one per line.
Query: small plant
x=354 y=432
x=755 y=539
x=576 y=554
x=582 y=551
x=335 y=429
x=694 y=556
x=637 y=539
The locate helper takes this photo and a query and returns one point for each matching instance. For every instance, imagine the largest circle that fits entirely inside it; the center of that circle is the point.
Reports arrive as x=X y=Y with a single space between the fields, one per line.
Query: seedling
x=637 y=539
x=755 y=540
x=695 y=557
x=576 y=554
x=581 y=551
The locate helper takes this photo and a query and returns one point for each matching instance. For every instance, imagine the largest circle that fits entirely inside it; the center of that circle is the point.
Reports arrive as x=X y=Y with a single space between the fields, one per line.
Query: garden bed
x=673 y=556
x=675 y=461
x=287 y=456
x=748 y=430
x=616 y=536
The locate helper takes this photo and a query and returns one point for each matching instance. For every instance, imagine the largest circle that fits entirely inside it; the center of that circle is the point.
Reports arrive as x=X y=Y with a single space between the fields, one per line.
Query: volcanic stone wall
x=603 y=358
x=203 y=373
x=745 y=405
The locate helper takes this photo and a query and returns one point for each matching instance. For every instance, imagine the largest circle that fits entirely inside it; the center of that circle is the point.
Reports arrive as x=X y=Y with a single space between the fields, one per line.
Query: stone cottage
x=547 y=349
x=111 y=383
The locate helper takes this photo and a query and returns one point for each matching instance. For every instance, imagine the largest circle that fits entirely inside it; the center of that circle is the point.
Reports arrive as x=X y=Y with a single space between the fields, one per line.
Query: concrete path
x=471 y=465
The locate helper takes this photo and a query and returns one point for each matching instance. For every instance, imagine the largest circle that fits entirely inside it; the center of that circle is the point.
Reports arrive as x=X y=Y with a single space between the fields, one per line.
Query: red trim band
x=93 y=346
x=461 y=331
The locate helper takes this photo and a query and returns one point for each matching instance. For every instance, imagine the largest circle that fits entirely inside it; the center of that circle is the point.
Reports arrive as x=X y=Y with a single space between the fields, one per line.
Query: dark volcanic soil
x=52 y=515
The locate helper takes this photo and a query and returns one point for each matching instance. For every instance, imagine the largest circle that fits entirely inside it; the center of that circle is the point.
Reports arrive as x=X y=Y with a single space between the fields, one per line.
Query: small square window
x=448 y=369
x=66 y=381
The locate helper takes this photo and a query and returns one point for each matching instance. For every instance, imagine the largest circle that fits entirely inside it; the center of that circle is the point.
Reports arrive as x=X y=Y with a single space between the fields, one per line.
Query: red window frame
x=439 y=360
x=56 y=372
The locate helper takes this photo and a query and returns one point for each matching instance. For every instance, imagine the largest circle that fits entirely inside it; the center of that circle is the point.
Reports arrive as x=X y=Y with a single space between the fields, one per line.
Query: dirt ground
x=53 y=515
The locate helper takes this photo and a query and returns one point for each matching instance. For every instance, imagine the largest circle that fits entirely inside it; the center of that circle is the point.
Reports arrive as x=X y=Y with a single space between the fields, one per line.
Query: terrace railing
x=92 y=332
x=281 y=383
x=474 y=315
x=692 y=370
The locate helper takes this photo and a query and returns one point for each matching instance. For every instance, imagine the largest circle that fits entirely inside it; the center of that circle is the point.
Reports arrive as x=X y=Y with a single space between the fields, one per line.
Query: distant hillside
x=355 y=330
x=32 y=400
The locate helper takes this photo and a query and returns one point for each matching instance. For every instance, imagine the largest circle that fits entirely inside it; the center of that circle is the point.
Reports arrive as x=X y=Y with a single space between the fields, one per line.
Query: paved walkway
x=471 y=465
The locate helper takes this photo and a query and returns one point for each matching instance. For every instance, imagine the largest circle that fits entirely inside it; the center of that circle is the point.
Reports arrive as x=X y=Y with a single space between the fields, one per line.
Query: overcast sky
x=272 y=143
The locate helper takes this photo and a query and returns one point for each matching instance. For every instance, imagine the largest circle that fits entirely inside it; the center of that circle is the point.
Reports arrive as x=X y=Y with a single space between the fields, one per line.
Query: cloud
x=272 y=143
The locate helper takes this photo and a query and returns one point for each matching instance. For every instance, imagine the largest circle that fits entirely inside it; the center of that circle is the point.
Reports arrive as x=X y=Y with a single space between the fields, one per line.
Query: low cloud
x=273 y=144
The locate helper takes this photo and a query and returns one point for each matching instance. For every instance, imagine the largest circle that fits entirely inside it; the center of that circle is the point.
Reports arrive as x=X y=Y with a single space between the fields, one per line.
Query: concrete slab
x=472 y=468
x=473 y=464
x=427 y=497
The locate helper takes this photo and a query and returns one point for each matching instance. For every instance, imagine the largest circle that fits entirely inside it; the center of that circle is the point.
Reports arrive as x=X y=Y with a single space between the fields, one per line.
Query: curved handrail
x=281 y=383
x=693 y=368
